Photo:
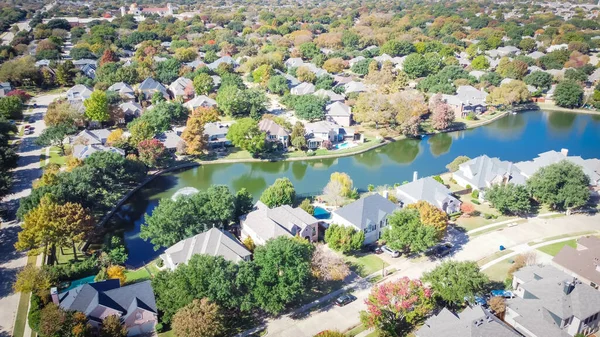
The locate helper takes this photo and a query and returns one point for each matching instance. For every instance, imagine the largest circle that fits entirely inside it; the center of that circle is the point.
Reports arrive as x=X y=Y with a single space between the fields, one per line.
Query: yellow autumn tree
x=73 y=162
x=344 y=180
x=114 y=137
x=116 y=272
x=249 y=243
x=194 y=137
x=431 y=216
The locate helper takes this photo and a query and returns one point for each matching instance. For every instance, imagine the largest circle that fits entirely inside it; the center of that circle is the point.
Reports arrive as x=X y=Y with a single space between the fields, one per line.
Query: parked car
x=375 y=249
x=28 y=132
x=345 y=299
x=31 y=119
x=393 y=253
x=440 y=250
x=27 y=126
x=502 y=293
x=476 y=300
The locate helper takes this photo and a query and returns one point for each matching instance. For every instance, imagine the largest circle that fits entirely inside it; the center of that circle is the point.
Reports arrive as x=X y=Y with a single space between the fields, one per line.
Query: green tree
x=539 y=79
x=309 y=50
x=199 y=318
x=350 y=40
x=307 y=206
x=33 y=279
x=509 y=93
x=453 y=166
x=244 y=202
x=167 y=71
x=246 y=135
x=527 y=45
x=509 y=199
x=361 y=67
x=563 y=185
x=393 y=308
x=282 y=192
x=406 y=232
x=175 y=220
x=455 y=281
x=297 y=136
x=203 y=84
x=480 y=63
x=112 y=327
x=230 y=100
x=284 y=275
x=262 y=74
x=11 y=107
x=140 y=130
x=309 y=107
x=568 y=94
x=277 y=85
x=416 y=65
x=344 y=238
x=55 y=136
x=397 y=48
x=96 y=107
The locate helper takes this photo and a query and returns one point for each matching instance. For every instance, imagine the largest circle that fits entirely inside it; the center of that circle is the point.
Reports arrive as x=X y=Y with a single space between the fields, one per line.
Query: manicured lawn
x=66 y=255
x=554 y=248
x=356 y=330
x=23 y=308
x=169 y=333
x=141 y=274
x=493 y=257
x=479 y=221
x=365 y=265
x=499 y=271
x=55 y=156
x=552 y=238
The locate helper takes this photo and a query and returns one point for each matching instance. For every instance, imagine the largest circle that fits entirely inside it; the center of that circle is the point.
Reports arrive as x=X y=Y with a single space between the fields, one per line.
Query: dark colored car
x=440 y=250
x=375 y=249
x=31 y=119
x=345 y=299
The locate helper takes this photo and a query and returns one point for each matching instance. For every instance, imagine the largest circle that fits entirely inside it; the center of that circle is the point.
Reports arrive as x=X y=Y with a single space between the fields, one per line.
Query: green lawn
x=169 y=333
x=493 y=257
x=55 y=156
x=356 y=330
x=554 y=248
x=22 y=309
x=365 y=265
x=65 y=255
x=141 y=274
x=552 y=238
x=499 y=271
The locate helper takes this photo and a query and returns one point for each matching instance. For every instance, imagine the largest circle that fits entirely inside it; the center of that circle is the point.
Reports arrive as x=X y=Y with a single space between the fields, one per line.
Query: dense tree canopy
x=455 y=281
x=282 y=192
x=406 y=232
x=563 y=185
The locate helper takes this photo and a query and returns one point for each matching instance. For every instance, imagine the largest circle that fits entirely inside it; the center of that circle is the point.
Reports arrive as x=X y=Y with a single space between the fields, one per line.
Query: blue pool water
x=321 y=213
x=77 y=283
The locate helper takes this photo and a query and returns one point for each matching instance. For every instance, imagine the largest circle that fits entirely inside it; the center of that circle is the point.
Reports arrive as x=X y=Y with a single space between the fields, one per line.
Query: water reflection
x=370 y=159
x=510 y=127
x=561 y=121
x=439 y=144
x=299 y=169
x=403 y=151
x=253 y=183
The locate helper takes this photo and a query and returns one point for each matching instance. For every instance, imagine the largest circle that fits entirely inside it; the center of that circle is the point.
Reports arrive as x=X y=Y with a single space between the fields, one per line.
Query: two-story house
x=482 y=172
x=430 y=190
x=216 y=133
x=550 y=303
x=274 y=131
x=368 y=214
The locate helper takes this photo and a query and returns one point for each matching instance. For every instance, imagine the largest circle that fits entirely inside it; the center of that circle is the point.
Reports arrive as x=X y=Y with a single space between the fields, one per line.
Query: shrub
x=34 y=316
x=438 y=179
x=475 y=201
x=475 y=194
x=468 y=187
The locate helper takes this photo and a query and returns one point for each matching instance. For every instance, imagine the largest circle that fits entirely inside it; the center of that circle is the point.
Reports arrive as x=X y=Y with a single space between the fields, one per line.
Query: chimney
x=54 y=295
x=123 y=13
x=568 y=287
x=415 y=176
x=565 y=152
x=385 y=194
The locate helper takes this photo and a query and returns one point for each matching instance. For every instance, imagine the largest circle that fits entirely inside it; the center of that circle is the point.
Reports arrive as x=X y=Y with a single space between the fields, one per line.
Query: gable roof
x=272 y=128
x=338 y=109
x=589 y=166
x=170 y=139
x=427 y=189
x=122 y=88
x=483 y=170
x=373 y=207
x=583 y=261
x=354 y=86
x=87 y=297
x=150 y=84
x=90 y=137
x=200 y=101
x=131 y=108
x=303 y=88
x=84 y=151
x=179 y=86
x=213 y=242
x=329 y=95
x=284 y=220
x=79 y=92
x=471 y=322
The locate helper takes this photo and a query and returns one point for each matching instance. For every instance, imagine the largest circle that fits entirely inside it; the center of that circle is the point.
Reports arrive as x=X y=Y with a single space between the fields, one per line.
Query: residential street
x=28 y=170
x=344 y=318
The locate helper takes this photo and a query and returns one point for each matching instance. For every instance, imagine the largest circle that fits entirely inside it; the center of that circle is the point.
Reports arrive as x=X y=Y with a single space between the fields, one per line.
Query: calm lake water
x=514 y=137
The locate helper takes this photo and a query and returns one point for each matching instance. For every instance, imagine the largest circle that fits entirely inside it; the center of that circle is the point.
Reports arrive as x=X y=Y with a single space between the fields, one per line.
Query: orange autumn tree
x=431 y=216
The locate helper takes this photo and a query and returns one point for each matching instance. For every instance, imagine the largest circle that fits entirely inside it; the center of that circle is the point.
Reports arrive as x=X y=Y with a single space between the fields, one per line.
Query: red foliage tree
x=108 y=56
x=22 y=94
x=153 y=153
x=467 y=208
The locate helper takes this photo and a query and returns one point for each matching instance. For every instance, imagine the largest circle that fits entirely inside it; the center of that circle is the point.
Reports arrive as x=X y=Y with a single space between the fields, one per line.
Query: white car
x=388 y=250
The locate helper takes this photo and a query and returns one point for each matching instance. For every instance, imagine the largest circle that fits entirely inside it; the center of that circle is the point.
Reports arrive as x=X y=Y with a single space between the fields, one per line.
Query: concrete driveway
x=27 y=171
x=335 y=318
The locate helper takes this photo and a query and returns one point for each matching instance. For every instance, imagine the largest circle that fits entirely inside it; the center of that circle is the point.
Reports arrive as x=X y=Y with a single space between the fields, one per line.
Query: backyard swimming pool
x=321 y=213
x=77 y=283
x=344 y=145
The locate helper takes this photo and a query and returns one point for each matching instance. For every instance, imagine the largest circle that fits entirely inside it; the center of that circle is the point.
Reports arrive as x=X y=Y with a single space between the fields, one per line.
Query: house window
x=138 y=315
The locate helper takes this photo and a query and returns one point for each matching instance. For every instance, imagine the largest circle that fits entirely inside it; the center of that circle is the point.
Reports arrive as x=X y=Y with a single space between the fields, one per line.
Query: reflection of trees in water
x=370 y=159
x=254 y=184
x=322 y=164
x=439 y=144
x=561 y=121
x=596 y=118
x=508 y=127
x=271 y=167
x=299 y=169
x=403 y=151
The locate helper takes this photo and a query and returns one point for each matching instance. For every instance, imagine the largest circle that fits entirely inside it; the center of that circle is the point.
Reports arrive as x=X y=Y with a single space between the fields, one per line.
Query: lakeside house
x=84 y=151
x=430 y=190
x=265 y=223
x=214 y=242
x=582 y=262
x=216 y=134
x=550 y=303
x=134 y=304
x=339 y=113
x=471 y=322
x=468 y=99
x=319 y=132
x=482 y=172
x=274 y=131
x=591 y=167
x=368 y=214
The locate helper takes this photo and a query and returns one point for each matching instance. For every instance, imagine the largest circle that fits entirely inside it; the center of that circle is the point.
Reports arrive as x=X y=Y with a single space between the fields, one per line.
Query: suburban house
x=291 y=80
x=354 y=86
x=150 y=86
x=303 y=88
x=591 y=167
x=78 y=92
x=471 y=322
x=216 y=134
x=368 y=214
x=84 y=151
x=430 y=190
x=170 y=140
x=81 y=63
x=224 y=59
x=123 y=89
x=265 y=223
x=274 y=131
x=467 y=99
x=329 y=95
x=5 y=88
x=339 y=113
x=293 y=62
x=131 y=109
x=482 y=172
x=582 y=262
x=550 y=303
x=318 y=132
x=355 y=60
x=134 y=304
x=89 y=70
x=182 y=88
x=213 y=242
x=90 y=137
x=200 y=101
x=315 y=70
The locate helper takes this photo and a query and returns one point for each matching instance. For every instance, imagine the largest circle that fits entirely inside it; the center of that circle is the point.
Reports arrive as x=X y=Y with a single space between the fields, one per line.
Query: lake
x=513 y=137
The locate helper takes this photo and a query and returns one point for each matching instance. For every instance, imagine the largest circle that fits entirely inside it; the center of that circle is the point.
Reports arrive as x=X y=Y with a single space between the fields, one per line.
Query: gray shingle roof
x=280 y=221
x=338 y=109
x=427 y=189
x=471 y=322
x=200 y=101
x=589 y=166
x=584 y=260
x=482 y=171
x=213 y=242
x=373 y=207
x=151 y=84
x=303 y=88
x=272 y=128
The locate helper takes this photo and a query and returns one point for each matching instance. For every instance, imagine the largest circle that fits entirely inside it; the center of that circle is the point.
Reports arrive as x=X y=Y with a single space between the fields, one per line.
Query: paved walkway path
x=506 y=222
x=330 y=317
x=27 y=171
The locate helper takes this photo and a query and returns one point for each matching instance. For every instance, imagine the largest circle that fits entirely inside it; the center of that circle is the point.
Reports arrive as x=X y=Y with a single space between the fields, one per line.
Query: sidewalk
x=498 y=224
